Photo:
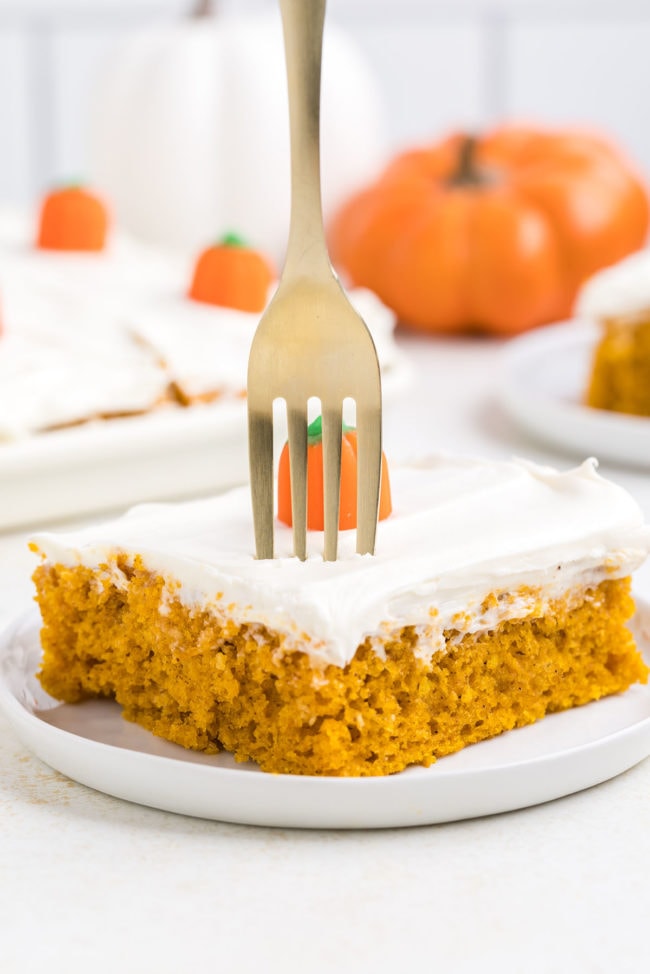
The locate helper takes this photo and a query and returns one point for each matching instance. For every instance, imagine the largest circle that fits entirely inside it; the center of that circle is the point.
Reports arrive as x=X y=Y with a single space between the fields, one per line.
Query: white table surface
x=88 y=882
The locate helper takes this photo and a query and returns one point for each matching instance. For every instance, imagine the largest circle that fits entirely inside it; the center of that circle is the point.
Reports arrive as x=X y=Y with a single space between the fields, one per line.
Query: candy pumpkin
x=315 y=495
x=72 y=218
x=232 y=275
x=493 y=234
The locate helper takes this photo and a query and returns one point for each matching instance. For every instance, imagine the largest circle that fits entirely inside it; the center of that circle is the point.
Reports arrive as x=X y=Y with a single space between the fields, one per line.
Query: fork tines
x=260 y=432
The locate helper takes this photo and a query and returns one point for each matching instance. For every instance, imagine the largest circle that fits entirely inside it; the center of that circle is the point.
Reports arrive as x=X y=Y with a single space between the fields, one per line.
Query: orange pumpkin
x=72 y=218
x=493 y=234
x=232 y=275
x=315 y=497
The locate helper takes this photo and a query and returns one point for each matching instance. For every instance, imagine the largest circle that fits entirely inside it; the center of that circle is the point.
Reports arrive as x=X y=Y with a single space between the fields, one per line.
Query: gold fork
x=310 y=341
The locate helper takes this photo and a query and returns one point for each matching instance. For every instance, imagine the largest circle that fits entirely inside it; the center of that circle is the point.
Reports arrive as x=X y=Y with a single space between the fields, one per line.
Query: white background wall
x=441 y=64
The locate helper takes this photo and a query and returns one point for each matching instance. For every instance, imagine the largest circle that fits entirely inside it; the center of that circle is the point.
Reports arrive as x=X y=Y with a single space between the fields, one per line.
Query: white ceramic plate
x=545 y=377
x=91 y=743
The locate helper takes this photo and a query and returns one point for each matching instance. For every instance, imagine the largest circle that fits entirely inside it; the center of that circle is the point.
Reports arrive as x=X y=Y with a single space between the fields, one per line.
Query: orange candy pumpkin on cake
x=231 y=274
x=72 y=218
x=315 y=489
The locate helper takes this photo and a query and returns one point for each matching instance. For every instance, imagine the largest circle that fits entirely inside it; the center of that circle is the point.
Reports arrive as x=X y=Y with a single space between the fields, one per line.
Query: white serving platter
x=92 y=744
x=109 y=464
x=172 y=452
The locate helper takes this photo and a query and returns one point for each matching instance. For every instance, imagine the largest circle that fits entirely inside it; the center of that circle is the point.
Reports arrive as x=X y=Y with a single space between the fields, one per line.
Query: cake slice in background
x=618 y=298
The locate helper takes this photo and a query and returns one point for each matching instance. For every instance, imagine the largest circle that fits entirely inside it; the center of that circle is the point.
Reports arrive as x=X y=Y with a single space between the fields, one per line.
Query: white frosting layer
x=620 y=290
x=67 y=352
x=205 y=348
x=64 y=359
x=125 y=269
x=460 y=530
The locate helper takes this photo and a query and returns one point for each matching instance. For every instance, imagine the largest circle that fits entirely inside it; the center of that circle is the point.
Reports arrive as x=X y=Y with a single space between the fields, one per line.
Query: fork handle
x=302 y=23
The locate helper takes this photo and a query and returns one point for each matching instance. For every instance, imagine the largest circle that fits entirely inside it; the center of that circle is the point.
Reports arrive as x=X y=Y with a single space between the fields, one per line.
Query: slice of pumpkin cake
x=618 y=299
x=499 y=592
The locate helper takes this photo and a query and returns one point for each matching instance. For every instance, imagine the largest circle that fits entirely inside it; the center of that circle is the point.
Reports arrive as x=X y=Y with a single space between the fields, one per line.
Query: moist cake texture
x=499 y=592
x=620 y=377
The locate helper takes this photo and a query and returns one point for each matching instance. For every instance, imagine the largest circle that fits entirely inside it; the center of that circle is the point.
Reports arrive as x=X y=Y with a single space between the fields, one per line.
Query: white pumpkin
x=190 y=133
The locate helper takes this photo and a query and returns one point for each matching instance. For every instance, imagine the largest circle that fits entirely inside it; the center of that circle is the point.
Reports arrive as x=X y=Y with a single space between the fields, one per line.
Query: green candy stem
x=315 y=431
x=231 y=239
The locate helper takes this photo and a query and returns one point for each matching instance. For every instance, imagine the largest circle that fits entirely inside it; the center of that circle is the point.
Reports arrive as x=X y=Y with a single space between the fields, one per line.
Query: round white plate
x=545 y=376
x=91 y=743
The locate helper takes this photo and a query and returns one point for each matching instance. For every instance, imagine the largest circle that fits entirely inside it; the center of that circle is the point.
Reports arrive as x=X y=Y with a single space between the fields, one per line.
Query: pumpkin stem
x=467 y=172
x=315 y=430
x=231 y=239
x=202 y=8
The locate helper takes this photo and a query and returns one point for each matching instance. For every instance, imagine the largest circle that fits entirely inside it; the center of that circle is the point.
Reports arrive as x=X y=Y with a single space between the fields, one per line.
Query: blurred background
x=175 y=114
x=438 y=64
